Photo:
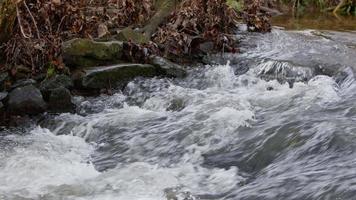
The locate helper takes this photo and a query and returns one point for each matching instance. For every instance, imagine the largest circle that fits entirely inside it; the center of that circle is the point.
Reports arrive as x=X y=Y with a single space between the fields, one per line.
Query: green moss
x=235 y=4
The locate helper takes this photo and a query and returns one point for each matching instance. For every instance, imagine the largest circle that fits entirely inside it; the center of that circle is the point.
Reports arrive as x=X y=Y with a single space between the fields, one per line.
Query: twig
x=33 y=19
x=60 y=24
x=339 y=6
x=20 y=24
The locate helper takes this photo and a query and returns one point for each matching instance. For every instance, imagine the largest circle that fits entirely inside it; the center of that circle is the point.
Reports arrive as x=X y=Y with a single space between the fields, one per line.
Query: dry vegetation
x=40 y=26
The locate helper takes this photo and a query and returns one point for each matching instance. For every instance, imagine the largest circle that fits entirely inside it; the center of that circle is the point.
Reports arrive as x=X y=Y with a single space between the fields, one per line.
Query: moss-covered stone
x=88 y=53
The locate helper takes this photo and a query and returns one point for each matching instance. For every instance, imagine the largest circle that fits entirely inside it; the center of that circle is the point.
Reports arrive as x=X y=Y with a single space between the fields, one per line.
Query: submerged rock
x=26 y=100
x=113 y=76
x=60 y=100
x=88 y=53
x=167 y=67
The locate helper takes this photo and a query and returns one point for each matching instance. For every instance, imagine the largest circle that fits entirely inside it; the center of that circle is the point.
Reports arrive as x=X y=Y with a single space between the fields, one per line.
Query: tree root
x=164 y=9
x=7 y=19
x=340 y=6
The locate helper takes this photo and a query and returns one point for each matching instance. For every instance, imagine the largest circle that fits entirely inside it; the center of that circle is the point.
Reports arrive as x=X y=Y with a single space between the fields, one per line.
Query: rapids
x=276 y=122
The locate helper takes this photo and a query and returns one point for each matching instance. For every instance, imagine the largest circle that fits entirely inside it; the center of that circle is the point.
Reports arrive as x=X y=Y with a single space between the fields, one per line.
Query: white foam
x=57 y=166
x=43 y=160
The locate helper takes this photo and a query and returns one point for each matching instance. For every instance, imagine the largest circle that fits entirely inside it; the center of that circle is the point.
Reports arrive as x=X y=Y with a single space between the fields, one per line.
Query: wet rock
x=3 y=96
x=113 y=76
x=128 y=34
x=60 y=100
x=285 y=72
x=26 y=100
x=55 y=82
x=176 y=105
x=270 y=88
x=167 y=67
x=22 y=82
x=88 y=53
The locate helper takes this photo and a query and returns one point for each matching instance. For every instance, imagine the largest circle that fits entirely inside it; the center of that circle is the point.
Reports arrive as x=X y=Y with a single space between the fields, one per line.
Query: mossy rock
x=88 y=53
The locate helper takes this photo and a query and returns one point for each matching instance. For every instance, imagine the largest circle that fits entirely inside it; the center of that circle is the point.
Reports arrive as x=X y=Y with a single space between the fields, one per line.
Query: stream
x=276 y=122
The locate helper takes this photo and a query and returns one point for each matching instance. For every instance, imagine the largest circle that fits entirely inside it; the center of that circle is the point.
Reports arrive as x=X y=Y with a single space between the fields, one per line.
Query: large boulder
x=60 y=100
x=89 y=53
x=168 y=68
x=116 y=76
x=26 y=100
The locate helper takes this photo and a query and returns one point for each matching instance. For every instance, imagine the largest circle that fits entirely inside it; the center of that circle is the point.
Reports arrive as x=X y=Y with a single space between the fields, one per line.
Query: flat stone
x=115 y=76
x=26 y=100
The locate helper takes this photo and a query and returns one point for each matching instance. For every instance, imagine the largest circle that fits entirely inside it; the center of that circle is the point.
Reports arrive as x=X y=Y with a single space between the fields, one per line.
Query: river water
x=276 y=122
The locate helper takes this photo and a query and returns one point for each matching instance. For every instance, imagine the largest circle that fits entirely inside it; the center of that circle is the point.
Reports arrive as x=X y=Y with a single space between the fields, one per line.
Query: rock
x=26 y=100
x=128 y=34
x=88 y=53
x=23 y=82
x=206 y=47
x=60 y=100
x=55 y=82
x=3 y=78
x=114 y=76
x=3 y=96
x=167 y=67
x=176 y=105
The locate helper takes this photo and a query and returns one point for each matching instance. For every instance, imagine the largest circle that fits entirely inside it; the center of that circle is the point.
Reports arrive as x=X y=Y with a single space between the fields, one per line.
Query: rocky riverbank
x=100 y=46
x=95 y=68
